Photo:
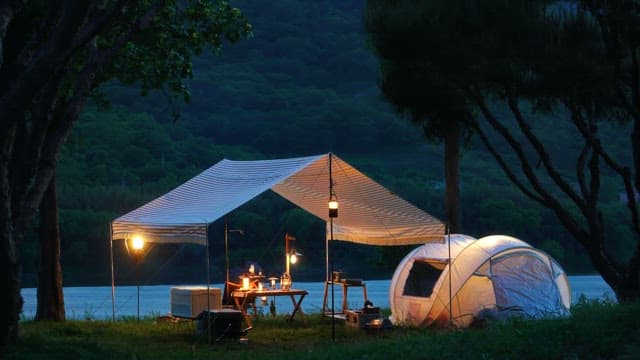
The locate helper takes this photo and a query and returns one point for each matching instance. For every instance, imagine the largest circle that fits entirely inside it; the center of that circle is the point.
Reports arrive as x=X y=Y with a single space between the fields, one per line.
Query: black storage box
x=224 y=323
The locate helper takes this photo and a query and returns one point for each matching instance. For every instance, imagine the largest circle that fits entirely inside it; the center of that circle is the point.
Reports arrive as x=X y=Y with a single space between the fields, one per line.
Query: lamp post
x=137 y=245
x=291 y=257
x=226 y=249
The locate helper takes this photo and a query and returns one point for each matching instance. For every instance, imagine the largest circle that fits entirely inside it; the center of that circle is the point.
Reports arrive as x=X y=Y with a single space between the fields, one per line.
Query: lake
x=94 y=302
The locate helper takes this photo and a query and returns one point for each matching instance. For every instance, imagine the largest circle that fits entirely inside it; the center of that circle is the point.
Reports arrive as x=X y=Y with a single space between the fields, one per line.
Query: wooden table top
x=267 y=292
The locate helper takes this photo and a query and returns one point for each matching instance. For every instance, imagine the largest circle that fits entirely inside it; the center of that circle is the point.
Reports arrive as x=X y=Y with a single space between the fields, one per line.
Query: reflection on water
x=95 y=302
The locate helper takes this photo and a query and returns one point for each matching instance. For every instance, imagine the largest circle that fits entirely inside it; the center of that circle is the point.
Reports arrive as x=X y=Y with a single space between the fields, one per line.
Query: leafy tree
x=510 y=63
x=409 y=81
x=53 y=56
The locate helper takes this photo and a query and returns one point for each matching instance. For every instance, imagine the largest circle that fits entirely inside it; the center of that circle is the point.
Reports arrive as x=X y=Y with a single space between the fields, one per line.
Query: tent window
x=422 y=277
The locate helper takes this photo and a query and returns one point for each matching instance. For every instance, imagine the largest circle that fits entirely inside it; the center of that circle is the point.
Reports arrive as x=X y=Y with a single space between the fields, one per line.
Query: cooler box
x=190 y=301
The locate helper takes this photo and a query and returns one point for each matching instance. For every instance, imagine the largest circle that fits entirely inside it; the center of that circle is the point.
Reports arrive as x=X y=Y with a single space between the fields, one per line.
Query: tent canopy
x=368 y=213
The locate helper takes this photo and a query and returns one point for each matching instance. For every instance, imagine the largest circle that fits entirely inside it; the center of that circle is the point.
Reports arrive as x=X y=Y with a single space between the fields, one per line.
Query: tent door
x=422 y=278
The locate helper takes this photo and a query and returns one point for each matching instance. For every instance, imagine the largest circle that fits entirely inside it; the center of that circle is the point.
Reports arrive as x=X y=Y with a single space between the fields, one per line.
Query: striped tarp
x=368 y=213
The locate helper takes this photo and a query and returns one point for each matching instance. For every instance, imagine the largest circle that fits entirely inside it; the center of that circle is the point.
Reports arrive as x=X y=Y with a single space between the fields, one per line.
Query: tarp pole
x=450 y=269
x=226 y=251
x=326 y=256
x=333 y=255
x=113 y=283
x=206 y=232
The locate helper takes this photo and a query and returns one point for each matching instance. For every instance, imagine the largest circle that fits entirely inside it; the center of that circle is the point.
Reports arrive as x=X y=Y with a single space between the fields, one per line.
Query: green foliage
x=302 y=86
x=160 y=56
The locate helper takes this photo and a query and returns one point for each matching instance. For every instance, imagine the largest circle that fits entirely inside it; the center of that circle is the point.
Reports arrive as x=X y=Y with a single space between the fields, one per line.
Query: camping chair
x=227 y=299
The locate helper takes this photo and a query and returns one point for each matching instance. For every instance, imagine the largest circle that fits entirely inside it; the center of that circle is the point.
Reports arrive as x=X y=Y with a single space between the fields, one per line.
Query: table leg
x=296 y=307
x=243 y=308
x=345 y=289
x=364 y=289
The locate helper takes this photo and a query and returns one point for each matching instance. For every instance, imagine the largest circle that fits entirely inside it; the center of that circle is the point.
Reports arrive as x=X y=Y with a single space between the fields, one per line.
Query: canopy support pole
x=113 y=283
x=450 y=268
x=226 y=250
x=333 y=255
x=206 y=232
x=326 y=257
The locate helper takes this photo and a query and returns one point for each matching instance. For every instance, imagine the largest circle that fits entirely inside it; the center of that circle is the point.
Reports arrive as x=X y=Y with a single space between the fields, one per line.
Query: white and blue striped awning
x=368 y=214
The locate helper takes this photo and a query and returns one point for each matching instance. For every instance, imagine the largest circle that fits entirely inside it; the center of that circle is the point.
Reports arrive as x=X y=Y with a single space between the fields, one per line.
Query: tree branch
x=580 y=165
x=97 y=23
x=544 y=157
x=503 y=164
x=598 y=254
x=7 y=14
x=67 y=112
x=623 y=171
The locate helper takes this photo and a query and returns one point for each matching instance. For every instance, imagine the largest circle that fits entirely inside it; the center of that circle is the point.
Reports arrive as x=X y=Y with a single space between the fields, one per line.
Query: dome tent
x=495 y=276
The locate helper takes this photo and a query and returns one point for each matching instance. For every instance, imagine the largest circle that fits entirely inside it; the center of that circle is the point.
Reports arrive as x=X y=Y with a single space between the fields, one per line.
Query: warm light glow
x=273 y=282
x=285 y=282
x=137 y=243
x=260 y=286
x=333 y=204
x=245 y=283
x=293 y=259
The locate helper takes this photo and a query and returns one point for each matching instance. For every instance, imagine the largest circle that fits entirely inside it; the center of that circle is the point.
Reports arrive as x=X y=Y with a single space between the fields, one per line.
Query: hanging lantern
x=333 y=206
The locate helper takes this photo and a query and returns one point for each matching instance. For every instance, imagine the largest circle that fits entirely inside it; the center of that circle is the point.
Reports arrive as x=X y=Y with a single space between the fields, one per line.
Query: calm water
x=95 y=302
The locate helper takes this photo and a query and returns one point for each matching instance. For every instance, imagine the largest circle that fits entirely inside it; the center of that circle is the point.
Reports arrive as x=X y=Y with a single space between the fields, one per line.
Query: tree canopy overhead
x=506 y=65
x=53 y=55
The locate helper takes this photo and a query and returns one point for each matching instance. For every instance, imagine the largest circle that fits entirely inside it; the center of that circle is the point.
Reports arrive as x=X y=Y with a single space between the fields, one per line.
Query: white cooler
x=190 y=301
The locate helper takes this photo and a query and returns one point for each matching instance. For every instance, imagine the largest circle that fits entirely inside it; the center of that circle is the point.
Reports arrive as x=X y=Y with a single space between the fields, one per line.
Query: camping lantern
x=333 y=206
x=135 y=248
x=245 y=283
x=285 y=282
x=137 y=243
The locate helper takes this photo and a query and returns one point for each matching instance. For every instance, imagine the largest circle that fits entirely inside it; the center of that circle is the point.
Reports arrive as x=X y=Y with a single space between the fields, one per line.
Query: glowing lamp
x=260 y=286
x=137 y=243
x=245 y=283
x=293 y=258
x=333 y=207
x=273 y=281
x=285 y=282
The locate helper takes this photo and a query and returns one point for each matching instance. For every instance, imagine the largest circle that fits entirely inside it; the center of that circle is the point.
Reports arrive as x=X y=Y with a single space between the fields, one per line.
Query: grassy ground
x=594 y=331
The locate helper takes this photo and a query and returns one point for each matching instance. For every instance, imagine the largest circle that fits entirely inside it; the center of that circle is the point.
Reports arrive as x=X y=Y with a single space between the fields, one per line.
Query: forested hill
x=304 y=84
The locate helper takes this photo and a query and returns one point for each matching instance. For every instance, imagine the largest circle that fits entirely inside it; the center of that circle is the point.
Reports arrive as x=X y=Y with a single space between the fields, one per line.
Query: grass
x=595 y=330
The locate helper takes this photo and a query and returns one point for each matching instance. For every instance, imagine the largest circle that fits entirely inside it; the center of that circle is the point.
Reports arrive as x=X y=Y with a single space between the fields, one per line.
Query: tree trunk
x=50 y=296
x=10 y=281
x=10 y=270
x=628 y=290
x=453 y=212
